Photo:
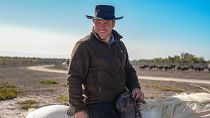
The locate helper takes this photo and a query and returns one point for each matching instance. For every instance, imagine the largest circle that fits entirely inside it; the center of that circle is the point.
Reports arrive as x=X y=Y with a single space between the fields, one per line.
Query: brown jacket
x=103 y=70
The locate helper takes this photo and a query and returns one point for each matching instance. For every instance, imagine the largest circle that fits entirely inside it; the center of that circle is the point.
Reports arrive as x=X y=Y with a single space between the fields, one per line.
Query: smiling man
x=100 y=69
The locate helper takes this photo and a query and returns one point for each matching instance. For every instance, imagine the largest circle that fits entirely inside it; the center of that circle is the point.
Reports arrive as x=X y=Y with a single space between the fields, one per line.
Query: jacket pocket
x=121 y=56
x=93 y=81
x=101 y=82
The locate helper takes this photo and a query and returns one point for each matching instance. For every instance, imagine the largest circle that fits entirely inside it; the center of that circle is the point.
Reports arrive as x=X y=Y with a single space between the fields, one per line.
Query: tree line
x=6 y=61
x=184 y=62
x=177 y=59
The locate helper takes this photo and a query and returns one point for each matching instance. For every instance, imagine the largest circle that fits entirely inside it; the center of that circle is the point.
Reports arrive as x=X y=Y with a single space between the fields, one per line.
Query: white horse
x=195 y=105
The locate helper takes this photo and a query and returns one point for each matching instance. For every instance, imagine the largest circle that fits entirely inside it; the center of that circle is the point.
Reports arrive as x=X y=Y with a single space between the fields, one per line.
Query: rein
x=138 y=113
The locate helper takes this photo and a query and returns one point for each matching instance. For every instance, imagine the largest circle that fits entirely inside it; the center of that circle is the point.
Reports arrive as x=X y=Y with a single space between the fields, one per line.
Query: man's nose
x=103 y=27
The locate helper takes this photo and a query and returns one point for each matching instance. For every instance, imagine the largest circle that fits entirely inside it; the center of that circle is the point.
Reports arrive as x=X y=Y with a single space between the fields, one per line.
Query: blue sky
x=151 y=28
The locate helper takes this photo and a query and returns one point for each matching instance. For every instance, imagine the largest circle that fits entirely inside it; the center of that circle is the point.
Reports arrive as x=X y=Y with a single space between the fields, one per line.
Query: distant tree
x=158 y=60
x=187 y=58
x=201 y=60
x=183 y=58
x=177 y=59
x=190 y=58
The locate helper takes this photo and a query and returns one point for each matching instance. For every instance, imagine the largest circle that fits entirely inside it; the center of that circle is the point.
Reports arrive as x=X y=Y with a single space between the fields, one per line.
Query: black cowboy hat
x=104 y=12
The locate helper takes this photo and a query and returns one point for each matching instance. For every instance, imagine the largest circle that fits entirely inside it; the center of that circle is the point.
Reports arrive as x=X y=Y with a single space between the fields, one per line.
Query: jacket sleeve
x=131 y=76
x=77 y=72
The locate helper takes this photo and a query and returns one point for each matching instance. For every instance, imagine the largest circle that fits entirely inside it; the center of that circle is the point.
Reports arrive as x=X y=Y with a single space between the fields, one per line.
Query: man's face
x=104 y=28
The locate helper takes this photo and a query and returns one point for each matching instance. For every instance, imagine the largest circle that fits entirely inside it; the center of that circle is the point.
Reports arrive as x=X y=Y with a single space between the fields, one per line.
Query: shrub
x=8 y=91
x=28 y=104
x=48 y=82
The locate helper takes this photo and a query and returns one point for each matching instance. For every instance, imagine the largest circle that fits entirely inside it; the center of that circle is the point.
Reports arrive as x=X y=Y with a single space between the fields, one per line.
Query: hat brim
x=98 y=18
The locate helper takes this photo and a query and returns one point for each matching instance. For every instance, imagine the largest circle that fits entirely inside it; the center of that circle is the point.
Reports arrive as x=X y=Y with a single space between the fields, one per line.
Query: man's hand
x=137 y=94
x=81 y=114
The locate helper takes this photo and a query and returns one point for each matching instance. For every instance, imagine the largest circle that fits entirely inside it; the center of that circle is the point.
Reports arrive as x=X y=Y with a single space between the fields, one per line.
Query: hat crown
x=105 y=8
x=104 y=12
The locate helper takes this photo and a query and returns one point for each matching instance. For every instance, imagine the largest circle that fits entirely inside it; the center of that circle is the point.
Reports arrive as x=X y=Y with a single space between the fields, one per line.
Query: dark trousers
x=102 y=110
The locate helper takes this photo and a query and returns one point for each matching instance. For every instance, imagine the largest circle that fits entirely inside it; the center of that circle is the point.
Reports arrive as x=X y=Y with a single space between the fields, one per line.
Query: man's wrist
x=81 y=114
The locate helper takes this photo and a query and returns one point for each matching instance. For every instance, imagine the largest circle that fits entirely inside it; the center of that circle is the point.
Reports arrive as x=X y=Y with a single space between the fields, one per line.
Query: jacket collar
x=116 y=35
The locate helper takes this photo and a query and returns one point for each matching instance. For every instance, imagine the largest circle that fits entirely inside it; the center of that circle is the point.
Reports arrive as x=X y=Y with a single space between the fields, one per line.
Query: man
x=100 y=70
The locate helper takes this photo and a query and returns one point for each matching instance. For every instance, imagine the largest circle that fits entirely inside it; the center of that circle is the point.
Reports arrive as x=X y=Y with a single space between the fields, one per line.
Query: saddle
x=127 y=106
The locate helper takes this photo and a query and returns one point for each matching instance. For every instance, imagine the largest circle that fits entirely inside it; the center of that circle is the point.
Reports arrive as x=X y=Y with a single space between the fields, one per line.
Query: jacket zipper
x=99 y=87
x=122 y=83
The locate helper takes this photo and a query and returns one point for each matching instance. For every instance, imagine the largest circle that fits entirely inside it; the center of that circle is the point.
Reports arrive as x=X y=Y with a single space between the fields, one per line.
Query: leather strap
x=138 y=112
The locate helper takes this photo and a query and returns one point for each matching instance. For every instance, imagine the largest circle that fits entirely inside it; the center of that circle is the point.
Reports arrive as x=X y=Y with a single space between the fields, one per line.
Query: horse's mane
x=194 y=97
x=194 y=102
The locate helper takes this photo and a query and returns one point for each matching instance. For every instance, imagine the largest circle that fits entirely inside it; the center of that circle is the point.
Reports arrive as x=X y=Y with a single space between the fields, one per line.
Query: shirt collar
x=111 y=40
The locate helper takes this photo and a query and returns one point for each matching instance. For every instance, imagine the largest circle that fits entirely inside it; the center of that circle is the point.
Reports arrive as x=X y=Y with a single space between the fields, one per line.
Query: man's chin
x=102 y=37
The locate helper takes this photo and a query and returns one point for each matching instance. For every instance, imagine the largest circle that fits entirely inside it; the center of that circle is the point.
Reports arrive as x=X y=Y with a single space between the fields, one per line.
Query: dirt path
x=175 y=79
x=45 y=69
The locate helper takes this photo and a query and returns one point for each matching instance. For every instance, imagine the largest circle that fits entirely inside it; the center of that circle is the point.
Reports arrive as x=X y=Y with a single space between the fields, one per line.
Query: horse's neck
x=150 y=110
x=179 y=106
x=155 y=112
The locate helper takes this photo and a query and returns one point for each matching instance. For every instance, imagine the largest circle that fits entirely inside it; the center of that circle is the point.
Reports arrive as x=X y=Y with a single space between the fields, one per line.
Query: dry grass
x=63 y=99
x=57 y=68
x=167 y=88
x=28 y=104
x=8 y=91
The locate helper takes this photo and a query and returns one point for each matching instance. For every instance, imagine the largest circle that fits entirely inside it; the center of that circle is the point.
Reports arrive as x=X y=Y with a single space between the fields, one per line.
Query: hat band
x=106 y=16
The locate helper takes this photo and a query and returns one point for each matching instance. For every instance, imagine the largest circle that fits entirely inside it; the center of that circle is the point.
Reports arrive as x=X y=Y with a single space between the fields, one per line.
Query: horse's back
x=51 y=111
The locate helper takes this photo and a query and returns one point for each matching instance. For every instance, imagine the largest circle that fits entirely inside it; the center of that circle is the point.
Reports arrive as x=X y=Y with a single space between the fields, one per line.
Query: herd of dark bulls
x=182 y=68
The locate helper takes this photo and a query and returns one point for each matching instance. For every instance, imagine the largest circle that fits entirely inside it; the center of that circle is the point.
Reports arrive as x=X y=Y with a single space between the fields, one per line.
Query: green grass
x=8 y=91
x=63 y=99
x=167 y=88
x=28 y=104
x=48 y=82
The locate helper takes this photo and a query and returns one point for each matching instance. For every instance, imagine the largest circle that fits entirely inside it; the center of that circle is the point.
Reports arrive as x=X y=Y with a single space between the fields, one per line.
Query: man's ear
x=113 y=23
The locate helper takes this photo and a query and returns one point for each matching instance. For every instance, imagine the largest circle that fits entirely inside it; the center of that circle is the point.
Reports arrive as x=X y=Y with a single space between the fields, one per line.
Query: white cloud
x=21 y=41
x=32 y=42
x=149 y=50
